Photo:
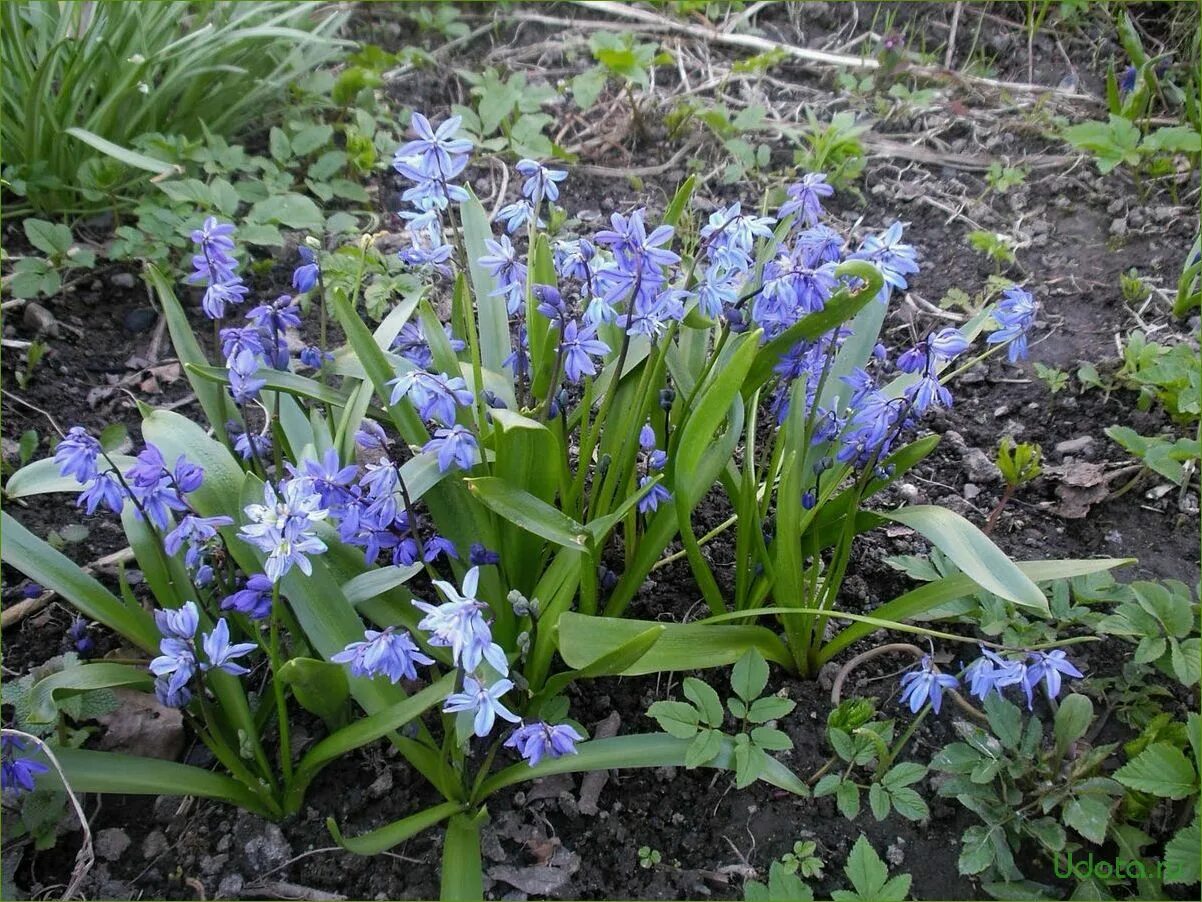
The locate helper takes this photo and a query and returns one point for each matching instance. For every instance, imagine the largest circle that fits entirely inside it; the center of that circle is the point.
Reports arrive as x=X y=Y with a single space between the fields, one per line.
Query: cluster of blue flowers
x=178 y=661
x=214 y=267
x=17 y=772
x=991 y=672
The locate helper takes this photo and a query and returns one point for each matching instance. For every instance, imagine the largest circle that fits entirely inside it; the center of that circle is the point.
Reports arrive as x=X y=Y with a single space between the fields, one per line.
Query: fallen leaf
x=141 y=726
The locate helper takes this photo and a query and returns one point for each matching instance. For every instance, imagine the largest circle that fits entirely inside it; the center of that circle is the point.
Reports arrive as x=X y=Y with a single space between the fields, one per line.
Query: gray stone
x=381 y=786
x=123 y=280
x=267 y=850
x=154 y=844
x=111 y=843
x=39 y=320
x=1074 y=445
x=908 y=491
x=978 y=467
x=971 y=491
x=211 y=865
x=230 y=886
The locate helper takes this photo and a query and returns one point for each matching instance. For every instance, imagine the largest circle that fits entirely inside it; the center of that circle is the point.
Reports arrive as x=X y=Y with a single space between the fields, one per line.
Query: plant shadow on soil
x=709 y=835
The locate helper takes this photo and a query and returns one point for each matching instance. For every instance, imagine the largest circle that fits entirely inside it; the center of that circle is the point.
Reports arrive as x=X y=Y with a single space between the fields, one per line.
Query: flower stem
x=281 y=702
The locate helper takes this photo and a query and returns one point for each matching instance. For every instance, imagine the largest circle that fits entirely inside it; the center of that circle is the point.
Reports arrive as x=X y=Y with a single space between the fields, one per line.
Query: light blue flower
x=390 y=652
x=455 y=447
x=926 y=683
x=221 y=653
x=484 y=701
x=535 y=741
x=459 y=624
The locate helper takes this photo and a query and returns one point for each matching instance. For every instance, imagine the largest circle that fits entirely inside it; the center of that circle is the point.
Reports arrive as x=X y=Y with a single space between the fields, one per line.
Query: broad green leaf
x=584 y=639
x=528 y=512
x=26 y=553
x=1181 y=858
x=642 y=750
x=702 y=695
x=617 y=661
x=384 y=838
x=1072 y=720
x=972 y=551
x=917 y=601
x=367 y=586
x=495 y=344
x=749 y=676
x=1089 y=815
x=121 y=154
x=1162 y=770
x=462 y=869
x=112 y=772
x=211 y=396
x=42 y=478
x=46 y=694
x=320 y=687
x=703 y=749
x=679 y=719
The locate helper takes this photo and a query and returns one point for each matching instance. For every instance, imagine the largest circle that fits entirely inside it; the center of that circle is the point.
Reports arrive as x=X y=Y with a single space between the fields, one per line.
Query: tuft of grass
x=84 y=81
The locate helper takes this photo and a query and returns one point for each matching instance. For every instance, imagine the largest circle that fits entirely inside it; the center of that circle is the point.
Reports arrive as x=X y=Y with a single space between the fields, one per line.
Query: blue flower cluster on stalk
x=991 y=672
x=17 y=772
x=178 y=661
x=214 y=267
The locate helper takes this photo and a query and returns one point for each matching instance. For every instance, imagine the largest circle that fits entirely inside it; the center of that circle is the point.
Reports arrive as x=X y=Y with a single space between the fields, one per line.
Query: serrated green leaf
x=1162 y=770
x=706 y=699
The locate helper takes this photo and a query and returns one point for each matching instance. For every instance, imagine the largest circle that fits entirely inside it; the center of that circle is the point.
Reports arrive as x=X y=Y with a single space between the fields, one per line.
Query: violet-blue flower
x=435 y=395
x=253 y=598
x=17 y=773
x=76 y=454
x=1049 y=668
x=283 y=527
x=541 y=182
x=455 y=447
x=221 y=653
x=104 y=488
x=538 y=740
x=805 y=198
x=1015 y=315
x=390 y=652
x=484 y=701
x=459 y=624
x=304 y=277
x=579 y=345
x=926 y=683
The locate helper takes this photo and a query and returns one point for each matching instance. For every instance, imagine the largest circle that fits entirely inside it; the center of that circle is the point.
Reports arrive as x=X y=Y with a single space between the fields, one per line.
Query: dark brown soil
x=1082 y=232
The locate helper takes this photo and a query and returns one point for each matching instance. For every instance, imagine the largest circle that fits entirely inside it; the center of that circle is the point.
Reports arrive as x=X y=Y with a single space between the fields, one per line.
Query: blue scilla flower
x=250 y=445
x=435 y=395
x=102 y=489
x=76 y=454
x=17 y=773
x=1015 y=315
x=314 y=357
x=503 y=264
x=329 y=477
x=1127 y=80
x=1049 y=668
x=805 y=198
x=390 y=652
x=579 y=345
x=459 y=624
x=277 y=317
x=992 y=673
x=218 y=295
x=655 y=496
x=541 y=183
x=818 y=245
x=283 y=527
x=195 y=530
x=516 y=215
x=252 y=598
x=174 y=667
x=732 y=230
x=455 y=447
x=479 y=556
x=925 y=683
x=304 y=277
x=237 y=339
x=436 y=148
x=79 y=637
x=245 y=381
x=484 y=701
x=538 y=740
x=221 y=654
x=633 y=247
x=180 y=623
x=574 y=259
x=894 y=259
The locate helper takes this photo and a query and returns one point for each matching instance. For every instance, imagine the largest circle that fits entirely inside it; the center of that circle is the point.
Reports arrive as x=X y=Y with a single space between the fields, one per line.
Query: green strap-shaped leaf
x=42 y=478
x=211 y=396
x=688 y=646
x=122 y=154
x=384 y=838
x=643 y=750
x=617 y=661
x=368 y=585
x=493 y=315
x=25 y=552
x=462 y=869
x=524 y=510
x=47 y=693
x=91 y=771
x=924 y=598
x=972 y=551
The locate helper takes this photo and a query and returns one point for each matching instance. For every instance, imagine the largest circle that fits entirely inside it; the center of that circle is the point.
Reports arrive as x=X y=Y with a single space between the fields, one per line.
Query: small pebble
x=140 y=319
